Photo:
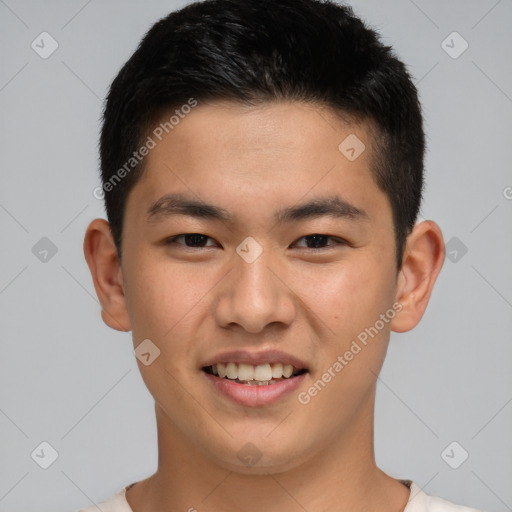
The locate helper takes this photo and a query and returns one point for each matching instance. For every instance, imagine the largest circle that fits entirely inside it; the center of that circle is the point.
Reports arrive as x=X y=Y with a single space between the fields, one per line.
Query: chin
x=257 y=456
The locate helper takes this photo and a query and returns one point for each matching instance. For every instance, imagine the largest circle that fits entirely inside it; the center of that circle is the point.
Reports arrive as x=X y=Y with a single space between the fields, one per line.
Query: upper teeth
x=247 y=372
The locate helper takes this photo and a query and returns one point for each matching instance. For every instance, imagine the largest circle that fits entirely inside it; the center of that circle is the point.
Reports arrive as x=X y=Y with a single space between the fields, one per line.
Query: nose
x=255 y=295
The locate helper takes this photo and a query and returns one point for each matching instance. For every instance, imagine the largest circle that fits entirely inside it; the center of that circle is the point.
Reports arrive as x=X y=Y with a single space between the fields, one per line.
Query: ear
x=101 y=255
x=423 y=259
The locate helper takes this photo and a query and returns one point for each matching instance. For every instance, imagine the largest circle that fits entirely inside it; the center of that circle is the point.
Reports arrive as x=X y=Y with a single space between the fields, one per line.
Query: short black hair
x=256 y=51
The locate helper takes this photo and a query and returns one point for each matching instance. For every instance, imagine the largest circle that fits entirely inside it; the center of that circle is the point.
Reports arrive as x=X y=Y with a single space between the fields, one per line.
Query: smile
x=254 y=385
x=254 y=375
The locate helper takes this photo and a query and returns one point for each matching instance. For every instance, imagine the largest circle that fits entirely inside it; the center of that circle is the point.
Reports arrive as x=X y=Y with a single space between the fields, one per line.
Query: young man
x=262 y=167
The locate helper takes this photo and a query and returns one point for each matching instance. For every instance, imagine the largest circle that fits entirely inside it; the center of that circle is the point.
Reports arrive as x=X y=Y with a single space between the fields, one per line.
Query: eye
x=193 y=240
x=318 y=241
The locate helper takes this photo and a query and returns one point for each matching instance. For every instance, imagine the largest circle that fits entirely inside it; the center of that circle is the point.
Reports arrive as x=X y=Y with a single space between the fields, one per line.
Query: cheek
x=349 y=301
x=346 y=297
x=163 y=302
x=162 y=297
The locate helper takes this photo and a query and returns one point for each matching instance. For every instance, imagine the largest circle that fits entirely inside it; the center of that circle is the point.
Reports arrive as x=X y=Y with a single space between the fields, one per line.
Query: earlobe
x=101 y=255
x=422 y=262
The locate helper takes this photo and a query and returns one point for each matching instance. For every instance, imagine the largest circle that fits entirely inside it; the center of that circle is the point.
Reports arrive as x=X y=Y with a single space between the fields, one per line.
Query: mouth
x=265 y=374
x=254 y=379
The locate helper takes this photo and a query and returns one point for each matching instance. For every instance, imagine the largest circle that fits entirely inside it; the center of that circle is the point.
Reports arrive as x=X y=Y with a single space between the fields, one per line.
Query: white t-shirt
x=418 y=502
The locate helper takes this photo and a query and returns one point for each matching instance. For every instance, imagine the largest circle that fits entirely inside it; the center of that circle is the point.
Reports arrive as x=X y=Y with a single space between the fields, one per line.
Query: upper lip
x=255 y=358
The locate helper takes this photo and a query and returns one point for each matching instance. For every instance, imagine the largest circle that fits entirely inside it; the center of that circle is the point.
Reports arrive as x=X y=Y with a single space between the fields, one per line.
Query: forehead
x=251 y=158
x=290 y=128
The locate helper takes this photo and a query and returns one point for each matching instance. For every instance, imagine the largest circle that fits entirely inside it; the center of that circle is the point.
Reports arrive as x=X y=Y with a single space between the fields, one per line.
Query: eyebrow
x=178 y=204
x=332 y=206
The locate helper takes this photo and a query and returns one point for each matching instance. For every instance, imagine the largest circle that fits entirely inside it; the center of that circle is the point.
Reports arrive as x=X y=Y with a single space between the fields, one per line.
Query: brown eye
x=193 y=240
x=318 y=241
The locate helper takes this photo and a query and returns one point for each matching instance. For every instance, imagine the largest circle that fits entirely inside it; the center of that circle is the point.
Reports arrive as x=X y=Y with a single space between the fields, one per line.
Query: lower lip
x=255 y=396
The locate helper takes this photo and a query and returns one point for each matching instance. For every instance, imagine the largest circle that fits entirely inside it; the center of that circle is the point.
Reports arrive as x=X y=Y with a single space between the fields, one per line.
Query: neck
x=343 y=477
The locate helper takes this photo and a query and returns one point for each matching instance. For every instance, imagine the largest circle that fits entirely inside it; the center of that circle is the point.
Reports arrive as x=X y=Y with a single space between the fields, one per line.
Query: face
x=286 y=258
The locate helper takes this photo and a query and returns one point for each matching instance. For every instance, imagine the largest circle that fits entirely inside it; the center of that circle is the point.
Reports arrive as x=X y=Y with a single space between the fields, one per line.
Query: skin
x=195 y=302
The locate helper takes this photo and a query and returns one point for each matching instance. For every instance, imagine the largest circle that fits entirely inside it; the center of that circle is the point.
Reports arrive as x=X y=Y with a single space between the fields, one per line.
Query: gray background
x=69 y=380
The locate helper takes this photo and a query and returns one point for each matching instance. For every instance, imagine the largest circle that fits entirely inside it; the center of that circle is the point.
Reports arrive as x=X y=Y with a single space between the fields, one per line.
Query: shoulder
x=116 y=503
x=421 y=502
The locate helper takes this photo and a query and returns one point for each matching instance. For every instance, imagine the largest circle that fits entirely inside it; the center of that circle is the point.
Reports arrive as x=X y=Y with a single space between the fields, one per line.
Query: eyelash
x=339 y=241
